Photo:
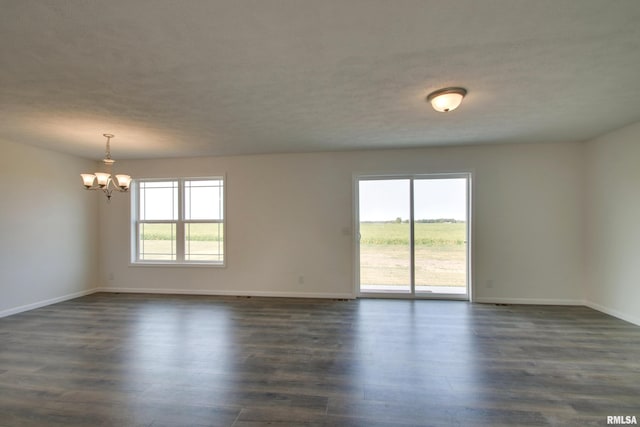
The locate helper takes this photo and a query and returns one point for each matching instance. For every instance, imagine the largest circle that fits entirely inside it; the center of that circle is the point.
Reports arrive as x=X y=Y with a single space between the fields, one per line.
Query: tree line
x=399 y=220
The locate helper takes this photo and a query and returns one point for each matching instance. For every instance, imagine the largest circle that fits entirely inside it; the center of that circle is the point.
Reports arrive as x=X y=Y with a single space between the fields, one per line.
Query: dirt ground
x=435 y=266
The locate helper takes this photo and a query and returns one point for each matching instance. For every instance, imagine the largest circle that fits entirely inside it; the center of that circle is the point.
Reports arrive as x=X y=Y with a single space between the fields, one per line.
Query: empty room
x=320 y=213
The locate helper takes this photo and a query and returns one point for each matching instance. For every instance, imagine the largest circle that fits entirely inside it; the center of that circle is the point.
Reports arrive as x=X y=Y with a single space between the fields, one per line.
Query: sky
x=386 y=200
x=380 y=200
x=202 y=200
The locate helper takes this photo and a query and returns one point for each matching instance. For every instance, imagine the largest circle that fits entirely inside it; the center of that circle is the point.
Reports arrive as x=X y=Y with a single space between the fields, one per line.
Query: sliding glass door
x=413 y=235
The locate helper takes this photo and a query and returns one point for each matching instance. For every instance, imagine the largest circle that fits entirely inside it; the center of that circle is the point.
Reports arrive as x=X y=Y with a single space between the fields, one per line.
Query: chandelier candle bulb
x=123 y=181
x=88 y=179
x=103 y=179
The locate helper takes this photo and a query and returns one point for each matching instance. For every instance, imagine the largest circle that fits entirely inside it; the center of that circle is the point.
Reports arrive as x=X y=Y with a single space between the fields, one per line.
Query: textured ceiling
x=188 y=78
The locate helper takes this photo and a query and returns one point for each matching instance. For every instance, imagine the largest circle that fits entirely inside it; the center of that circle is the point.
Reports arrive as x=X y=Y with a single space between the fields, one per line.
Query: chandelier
x=105 y=181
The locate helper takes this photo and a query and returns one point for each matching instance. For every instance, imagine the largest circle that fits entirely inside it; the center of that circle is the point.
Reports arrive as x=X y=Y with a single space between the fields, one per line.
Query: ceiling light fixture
x=447 y=99
x=105 y=181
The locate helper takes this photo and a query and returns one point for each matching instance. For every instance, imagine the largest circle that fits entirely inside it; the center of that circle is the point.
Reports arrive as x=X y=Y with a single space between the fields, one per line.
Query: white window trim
x=180 y=261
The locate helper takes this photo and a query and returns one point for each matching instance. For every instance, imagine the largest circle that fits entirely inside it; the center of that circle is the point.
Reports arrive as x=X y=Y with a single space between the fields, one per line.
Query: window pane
x=385 y=235
x=204 y=242
x=440 y=213
x=203 y=199
x=157 y=242
x=159 y=200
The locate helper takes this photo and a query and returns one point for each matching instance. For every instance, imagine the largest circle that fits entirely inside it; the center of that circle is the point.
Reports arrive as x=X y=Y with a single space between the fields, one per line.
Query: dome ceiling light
x=447 y=99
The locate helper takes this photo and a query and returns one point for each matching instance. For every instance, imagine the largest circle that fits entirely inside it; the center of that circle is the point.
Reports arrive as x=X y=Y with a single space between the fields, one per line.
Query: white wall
x=613 y=223
x=290 y=215
x=553 y=223
x=48 y=227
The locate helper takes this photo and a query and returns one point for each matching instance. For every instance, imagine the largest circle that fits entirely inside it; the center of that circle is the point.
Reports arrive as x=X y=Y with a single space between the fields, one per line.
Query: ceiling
x=191 y=78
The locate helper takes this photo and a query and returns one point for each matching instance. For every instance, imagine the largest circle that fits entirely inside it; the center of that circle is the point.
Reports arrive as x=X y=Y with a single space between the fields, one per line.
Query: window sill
x=178 y=264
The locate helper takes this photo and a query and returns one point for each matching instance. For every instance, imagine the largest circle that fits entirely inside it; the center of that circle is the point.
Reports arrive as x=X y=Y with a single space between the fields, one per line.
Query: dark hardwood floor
x=148 y=360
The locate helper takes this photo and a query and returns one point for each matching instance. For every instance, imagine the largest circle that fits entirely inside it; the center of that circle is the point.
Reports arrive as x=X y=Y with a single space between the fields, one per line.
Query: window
x=178 y=221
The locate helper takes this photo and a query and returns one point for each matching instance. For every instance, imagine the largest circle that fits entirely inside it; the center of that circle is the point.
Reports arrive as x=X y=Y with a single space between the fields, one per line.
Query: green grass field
x=427 y=234
x=440 y=253
x=377 y=233
x=197 y=232
x=203 y=242
x=384 y=251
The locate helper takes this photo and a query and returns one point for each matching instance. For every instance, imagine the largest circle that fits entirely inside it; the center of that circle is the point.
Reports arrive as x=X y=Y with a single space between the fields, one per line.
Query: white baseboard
x=615 y=313
x=32 y=306
x=228 y=293
x=483 y=300
x=529 y=301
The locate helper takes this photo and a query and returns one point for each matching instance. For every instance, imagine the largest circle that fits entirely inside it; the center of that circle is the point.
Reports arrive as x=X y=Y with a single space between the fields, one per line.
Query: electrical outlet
x=488 y=284
x=301 y=280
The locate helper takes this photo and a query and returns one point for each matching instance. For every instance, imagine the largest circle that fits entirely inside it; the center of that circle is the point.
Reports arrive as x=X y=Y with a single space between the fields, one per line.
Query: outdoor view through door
x=413 y=235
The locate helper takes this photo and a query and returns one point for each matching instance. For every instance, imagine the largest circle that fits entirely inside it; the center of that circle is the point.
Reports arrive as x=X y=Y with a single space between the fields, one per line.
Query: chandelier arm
x=107 y=192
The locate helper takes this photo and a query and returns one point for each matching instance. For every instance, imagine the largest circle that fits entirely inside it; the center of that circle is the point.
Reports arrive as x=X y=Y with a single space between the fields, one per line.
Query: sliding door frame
x=468 y=175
